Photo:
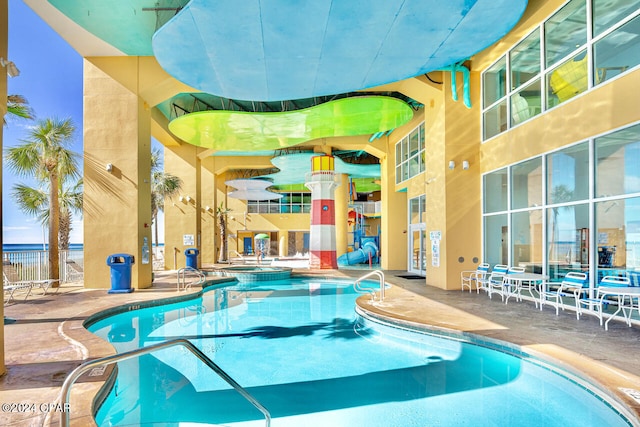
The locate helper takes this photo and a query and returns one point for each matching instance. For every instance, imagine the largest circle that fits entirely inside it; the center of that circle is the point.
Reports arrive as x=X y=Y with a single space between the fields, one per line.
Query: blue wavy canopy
x=269 y=50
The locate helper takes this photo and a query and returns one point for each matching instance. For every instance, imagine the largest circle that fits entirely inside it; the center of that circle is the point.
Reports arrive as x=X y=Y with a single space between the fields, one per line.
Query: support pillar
x=342 y=208
x=322 y=237
x=4 y=23
x=117 y=170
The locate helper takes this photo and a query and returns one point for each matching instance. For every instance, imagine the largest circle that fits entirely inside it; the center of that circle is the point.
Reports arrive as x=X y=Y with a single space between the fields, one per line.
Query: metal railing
x=34 y=265
x=357 y=286
x=87 y=366
x=189 y=276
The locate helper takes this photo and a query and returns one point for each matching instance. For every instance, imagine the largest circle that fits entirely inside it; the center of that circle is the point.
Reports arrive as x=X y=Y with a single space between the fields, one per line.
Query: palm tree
x=221 y=214
x=44 y=155
x=35 y=202
x=18 y=107
x=162 y=185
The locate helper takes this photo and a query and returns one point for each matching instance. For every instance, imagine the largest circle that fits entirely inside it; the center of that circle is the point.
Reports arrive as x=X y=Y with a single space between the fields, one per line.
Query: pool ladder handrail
x=358 y=288
x=87 y=366
x=185 y=272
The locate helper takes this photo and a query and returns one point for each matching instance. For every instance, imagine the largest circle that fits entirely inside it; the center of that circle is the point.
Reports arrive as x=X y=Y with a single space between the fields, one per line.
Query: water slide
x=360 y=256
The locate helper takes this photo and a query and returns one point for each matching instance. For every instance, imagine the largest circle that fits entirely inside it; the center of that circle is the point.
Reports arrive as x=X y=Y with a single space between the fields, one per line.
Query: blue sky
x=51 y=80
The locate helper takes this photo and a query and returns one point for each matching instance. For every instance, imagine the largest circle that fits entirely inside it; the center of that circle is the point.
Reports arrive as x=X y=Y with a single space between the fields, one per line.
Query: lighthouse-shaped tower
x=322 y=240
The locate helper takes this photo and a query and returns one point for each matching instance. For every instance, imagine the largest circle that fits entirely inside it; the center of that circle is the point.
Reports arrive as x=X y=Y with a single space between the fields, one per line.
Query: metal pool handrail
x=73 y=376
x=182 y=277
x=380 y=274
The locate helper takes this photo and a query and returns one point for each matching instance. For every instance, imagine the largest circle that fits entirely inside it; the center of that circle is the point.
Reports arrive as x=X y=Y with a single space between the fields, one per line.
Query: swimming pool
x=300 y=349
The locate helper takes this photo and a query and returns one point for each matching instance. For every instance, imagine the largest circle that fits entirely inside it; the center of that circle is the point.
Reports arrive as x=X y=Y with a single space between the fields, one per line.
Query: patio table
x=621 y=293
x=524 y=281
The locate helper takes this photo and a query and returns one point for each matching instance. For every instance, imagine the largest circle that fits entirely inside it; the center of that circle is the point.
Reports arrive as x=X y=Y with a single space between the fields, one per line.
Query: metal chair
x=574 y=282
x=590 y=302
x=469 y=278
x=494 y=284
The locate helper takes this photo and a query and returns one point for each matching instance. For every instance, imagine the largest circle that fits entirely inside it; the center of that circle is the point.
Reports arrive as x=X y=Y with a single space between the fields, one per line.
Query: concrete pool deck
x=47 y=340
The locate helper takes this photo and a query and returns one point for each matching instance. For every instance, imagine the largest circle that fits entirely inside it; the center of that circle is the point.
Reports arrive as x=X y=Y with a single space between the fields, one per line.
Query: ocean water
x=27 y=247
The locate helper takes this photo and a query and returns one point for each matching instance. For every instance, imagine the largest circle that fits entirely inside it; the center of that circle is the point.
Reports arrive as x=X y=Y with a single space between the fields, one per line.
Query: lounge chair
x=573 y=284
x=12 y=284
x=12 y=280
x=470 y=278
x=74 y=271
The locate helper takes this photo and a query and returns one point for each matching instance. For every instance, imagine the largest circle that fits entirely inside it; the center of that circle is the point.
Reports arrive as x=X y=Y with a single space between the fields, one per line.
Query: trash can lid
x=262 y=236
x=114 y=258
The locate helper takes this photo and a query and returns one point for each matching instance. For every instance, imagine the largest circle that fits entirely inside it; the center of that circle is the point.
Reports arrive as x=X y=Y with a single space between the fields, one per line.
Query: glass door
x=417 y=249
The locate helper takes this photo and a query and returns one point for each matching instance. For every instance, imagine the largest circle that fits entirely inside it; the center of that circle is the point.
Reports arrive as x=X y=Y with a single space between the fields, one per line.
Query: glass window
x=568 y=174
x=495 y=191
x=495 y=239
x=606 y=13
x=414 y=166
x=565 y=31
x=568 y=237
x=526 y=184
x=525 y=60
x=527 y=241
x=617 y=155
x=414 y=143
x=618 y=238
x=417 y=209
x=494 y=82
x=409 y=153
x=617 y=51
x=414 y=209
x=495 y=120
x=526 y=103
x=567 y=80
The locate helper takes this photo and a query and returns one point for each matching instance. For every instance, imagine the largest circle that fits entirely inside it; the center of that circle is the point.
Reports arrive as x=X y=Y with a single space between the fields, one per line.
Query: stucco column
x=453 y=195
x=117 y=172
x=342 y=205
x=4 y=22
x=182 y=214
x=393 y=218
x=283 y=242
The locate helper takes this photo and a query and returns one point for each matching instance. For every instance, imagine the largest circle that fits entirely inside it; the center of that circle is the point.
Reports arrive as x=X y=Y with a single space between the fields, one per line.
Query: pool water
x=300 y=349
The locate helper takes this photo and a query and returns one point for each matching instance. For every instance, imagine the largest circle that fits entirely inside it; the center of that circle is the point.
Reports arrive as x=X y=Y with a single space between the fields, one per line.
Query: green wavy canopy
x=234 y=130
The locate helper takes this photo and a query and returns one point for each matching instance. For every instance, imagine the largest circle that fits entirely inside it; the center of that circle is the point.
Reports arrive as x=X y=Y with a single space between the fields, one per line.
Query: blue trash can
x=192 y=257
x=120 y=273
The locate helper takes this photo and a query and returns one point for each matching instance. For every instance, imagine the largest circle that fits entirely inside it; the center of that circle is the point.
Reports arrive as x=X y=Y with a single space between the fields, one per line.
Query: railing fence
x=34 y=265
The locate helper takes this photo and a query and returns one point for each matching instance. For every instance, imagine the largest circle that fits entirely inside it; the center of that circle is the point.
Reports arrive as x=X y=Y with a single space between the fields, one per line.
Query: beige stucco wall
x=117 y=204
x=4 y=20
x=182 y=212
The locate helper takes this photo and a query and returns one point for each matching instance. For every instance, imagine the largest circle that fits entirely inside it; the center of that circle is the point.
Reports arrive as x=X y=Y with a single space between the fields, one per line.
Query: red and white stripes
x=322 y=238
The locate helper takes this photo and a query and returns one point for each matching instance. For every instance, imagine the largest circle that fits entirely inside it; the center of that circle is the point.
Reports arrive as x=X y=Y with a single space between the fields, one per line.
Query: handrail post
x=380 y=275
x=65 y=392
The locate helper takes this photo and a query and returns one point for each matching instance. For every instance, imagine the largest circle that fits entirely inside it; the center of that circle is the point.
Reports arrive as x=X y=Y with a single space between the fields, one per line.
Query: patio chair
x=588 y=302
x=74 y=271
x=494 y=284
x=469 y=278
x=12 y=283
x=572 y=284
